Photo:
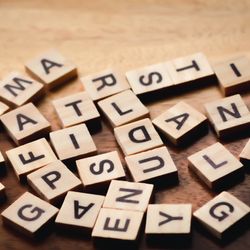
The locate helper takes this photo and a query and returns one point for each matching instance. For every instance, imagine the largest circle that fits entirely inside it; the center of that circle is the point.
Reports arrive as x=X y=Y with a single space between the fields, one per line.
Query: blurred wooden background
x=127 y=34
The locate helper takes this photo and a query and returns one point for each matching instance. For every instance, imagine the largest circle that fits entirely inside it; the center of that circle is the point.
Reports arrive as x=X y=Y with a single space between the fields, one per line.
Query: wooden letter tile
x=3 y=108
x=104 y=84
x=216 y=166
x=17 y=89
x=25 y=123
x=168 y=219
x=31 y=156
x=2 y=162
x=181 y=123
x=51 y=68
x=128 y=195
x=28 y=214
x=192 y=68
x=123 y=108
x=137 y=136
x=117 y=224
x=221 y=213
x=245 y=155
x=77 y=108
x=53 y=181
x=96 y=172
x=2 y=192
x=233 y=75
x=149 y=79
x=73 y=142
x=153 y=166
x=79 y=211
x=229 y=116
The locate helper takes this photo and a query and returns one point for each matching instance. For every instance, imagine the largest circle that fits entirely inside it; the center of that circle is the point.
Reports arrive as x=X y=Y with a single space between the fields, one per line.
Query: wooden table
x=128 y=34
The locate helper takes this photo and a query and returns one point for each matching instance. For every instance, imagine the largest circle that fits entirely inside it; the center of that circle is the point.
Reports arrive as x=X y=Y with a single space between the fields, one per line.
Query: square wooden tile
x=128 y=195
x=149 y=79
x=28 y=214
x=105 y=83
x=53 y=181
x=137 y=136
x=118 y=224
x=25 y=123
x=245 y=155
x=152 y=166
x=233 y=75
x=2 y=192
x=73 y=142
x=51 y=68
x=17 y=89
x=168 y=219
x=97 y=171
x=181 y=123
x=79 y=210
x=2 y=161
x=123 y=108
x=221 y=213
x=75 y=109
x=190 y=68
x=31 y=156
x=3 y=108
x=215 y=165
x=229 y=116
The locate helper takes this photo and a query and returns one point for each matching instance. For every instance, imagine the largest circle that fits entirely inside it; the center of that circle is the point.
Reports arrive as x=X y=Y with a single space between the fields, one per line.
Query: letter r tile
x=221 y=213
x=28 y=214
x=137 y=136
x=216 y=166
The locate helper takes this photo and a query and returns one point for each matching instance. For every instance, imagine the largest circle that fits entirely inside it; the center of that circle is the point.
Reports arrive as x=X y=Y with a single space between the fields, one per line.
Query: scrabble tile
x=73 y=142
x=17 y=89
x=118 y=224
x=96 y=172
x=181 y=123
x=53 y=181
x=29 y=214
x=128 y=195
x=51 y=68
x=3 y=108
x=25 y=123
x=229 y=116
x=153 y=166
x=2 y=161
x=216 y=166
x=79 y=211
x=191 y=68
x=137 y=136
x=233 y=75
x=221 y=213
x=104 y=84
x=168 y=219
x=2 y=192
x=245 y=154
x=123 y=108
x=149 y=79
x=31 y=156
x=77 y=108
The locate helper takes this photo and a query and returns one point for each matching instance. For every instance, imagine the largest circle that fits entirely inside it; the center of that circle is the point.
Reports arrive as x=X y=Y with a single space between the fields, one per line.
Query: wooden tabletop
x=126 y=34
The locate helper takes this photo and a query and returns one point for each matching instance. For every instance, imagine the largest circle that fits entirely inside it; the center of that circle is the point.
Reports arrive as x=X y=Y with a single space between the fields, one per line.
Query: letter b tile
x=221 y=213
x=28 y=214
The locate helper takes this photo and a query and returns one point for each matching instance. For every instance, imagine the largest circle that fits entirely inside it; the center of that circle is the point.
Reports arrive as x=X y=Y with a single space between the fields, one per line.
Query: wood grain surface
x=128 y=34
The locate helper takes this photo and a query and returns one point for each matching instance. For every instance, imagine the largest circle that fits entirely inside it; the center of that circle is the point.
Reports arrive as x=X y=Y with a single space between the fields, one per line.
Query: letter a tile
x=51 y=68
x=229 y=116
x=29 y=214
x=128 y=195
x=137 y=136
x=117 y=224
x=53 y=181
x=25 y=123
x=216 y=166
x=221 y=213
